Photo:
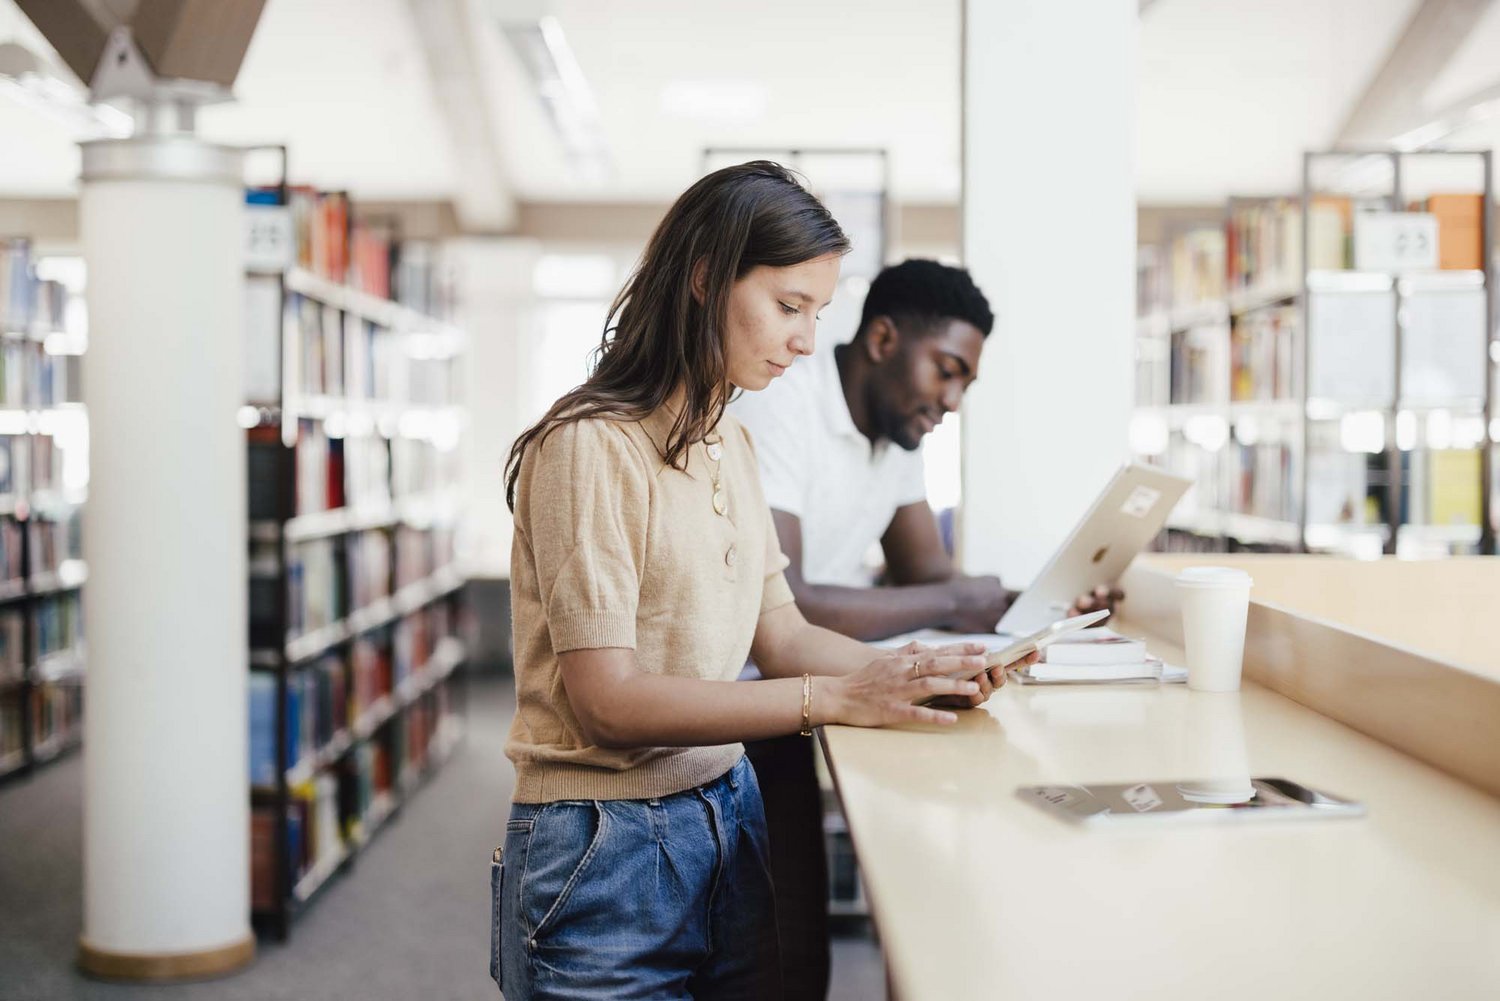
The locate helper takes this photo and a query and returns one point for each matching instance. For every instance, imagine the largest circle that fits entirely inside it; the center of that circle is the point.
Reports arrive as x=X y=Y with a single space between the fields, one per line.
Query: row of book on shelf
x=54 y=702
x=57 y=627
x=329 y=578
x=328 y=695
x=56 y=711
x=354 y=734
x=31 y=377
x=1351 y=357
x=30 y=463
x=1258 y=247
x=333 y=242
x=332 y=812
x=350 y=471
x=344 y=354
x=28 y=304
x=1439 y=487
x=336 y=351
x=46 y=545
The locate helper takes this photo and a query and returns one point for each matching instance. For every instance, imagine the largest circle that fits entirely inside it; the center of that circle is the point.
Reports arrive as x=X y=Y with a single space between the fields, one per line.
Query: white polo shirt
x=815 y=464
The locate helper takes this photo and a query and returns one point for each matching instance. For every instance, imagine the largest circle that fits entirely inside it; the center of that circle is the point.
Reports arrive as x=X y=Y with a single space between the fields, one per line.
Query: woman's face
x=773 y=315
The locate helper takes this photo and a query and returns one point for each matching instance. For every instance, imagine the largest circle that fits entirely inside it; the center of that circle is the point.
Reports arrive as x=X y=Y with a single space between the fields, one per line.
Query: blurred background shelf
x=43 y=486
x=1313 y=382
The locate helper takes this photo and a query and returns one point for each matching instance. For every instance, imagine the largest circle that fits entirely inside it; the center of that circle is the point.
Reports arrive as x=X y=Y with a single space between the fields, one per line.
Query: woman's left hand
x=988 y=680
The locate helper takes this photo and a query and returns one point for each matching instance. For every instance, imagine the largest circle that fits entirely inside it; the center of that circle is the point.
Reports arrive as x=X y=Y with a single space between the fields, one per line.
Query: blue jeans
x=638 y=899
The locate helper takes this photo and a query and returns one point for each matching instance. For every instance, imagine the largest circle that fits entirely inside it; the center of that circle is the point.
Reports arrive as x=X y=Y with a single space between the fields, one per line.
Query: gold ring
x=916 y=669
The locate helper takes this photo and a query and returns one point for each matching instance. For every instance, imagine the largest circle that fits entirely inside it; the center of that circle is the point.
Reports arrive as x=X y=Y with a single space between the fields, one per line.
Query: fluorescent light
x=1468 y=432
x=1247 y=430
x=564 y=91
x=1208 y=431
x=1440 y=429
x=1363 y=431
x=1406 y=430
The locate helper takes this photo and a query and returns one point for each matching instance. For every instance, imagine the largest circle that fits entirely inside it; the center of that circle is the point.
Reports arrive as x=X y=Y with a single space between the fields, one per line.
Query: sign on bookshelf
x=270 y=243
x=1395 y=242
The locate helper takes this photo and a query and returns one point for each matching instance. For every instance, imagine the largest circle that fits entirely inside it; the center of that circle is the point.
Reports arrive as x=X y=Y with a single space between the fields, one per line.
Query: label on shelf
x=1395 y=241
x=270 y=242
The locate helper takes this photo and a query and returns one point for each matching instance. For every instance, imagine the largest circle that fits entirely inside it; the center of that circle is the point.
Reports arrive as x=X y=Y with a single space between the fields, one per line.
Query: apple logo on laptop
x=1100 y=554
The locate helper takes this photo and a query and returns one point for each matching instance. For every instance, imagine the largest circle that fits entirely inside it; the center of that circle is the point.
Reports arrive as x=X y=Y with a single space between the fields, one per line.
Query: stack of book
x=1097 y=656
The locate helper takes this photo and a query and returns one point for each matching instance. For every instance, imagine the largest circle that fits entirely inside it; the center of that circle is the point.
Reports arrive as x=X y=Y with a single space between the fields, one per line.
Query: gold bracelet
x=807 y=705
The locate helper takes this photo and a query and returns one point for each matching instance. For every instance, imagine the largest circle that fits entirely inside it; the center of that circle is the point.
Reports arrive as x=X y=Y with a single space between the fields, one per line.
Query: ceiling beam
x=1391 y=105
x=180 y=39
x=447 y=31
x=76 y=29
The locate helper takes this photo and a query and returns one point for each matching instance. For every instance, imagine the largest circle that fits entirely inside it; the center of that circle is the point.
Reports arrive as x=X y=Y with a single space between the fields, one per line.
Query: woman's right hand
x=886 y=690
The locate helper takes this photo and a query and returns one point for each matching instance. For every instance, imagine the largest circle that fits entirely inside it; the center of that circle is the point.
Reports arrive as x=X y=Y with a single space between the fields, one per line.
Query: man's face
x=924 y=379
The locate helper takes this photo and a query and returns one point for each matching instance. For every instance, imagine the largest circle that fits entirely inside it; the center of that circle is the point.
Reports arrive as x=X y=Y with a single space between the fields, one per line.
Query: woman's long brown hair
x=658 y=335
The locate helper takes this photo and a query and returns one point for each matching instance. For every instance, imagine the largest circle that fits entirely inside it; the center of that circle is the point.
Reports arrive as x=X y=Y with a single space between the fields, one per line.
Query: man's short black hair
x=919 y=293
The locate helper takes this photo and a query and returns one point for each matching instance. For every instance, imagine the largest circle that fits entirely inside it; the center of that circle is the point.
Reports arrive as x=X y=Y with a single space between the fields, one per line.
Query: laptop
x=1127 y=515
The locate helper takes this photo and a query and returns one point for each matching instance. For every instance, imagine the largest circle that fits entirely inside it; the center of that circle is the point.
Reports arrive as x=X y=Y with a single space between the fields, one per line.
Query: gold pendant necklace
x=715 y=447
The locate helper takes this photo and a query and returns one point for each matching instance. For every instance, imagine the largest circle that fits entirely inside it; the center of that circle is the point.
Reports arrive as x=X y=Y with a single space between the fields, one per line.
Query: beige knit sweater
x=614 y=548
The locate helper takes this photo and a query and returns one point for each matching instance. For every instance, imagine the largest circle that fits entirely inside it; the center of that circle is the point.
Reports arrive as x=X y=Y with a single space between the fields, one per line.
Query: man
x=837 y=439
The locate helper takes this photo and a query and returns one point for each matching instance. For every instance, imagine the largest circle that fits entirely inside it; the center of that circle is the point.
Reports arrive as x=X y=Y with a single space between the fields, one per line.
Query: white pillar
x=166 y=814
x=1049 y=234
x=498 y=313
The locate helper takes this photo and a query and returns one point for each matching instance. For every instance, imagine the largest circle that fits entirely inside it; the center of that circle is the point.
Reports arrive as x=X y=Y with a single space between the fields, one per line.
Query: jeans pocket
x=572 y=831
x=497 y=882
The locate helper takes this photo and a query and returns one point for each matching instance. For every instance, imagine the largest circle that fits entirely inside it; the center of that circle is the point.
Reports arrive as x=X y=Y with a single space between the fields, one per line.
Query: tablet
x=1042 y=637
x=1188 y=801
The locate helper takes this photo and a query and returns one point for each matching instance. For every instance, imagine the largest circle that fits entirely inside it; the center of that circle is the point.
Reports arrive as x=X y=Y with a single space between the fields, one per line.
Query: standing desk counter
x=978 y=895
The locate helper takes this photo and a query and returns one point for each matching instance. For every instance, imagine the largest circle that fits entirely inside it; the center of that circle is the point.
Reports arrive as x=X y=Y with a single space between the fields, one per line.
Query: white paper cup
x=1215 y=602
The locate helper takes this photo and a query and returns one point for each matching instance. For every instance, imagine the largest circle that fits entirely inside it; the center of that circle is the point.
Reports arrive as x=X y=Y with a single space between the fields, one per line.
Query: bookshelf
x=1301 y=399
x=352 y=429
x=1399 y=388
x=43 y=476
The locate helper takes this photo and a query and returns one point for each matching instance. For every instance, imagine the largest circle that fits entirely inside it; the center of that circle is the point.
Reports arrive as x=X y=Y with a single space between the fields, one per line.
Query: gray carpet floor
x=409 y=920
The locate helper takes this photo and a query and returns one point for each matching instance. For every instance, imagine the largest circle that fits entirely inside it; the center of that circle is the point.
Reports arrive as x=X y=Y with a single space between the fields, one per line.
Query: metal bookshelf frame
x=286 y=655
x=1395 y=476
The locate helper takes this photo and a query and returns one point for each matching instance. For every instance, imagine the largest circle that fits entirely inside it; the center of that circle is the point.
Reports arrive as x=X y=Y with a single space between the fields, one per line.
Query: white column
x=498 y=312
x=166 y=815
x=1049 y=234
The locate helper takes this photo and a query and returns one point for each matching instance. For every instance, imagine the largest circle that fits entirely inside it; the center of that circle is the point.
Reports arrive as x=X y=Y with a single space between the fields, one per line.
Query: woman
x=645 y=569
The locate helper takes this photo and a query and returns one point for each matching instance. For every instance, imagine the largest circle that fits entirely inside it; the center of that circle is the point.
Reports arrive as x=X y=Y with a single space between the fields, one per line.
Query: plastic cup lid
x=1214 y=577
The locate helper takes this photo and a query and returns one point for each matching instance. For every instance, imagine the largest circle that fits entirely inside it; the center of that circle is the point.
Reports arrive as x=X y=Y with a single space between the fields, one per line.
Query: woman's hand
x=988 y=681
x=886 y=691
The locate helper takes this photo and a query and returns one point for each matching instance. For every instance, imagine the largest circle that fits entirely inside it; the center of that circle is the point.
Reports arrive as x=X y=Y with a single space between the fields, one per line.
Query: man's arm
x=965 y=604
x=914 y=551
